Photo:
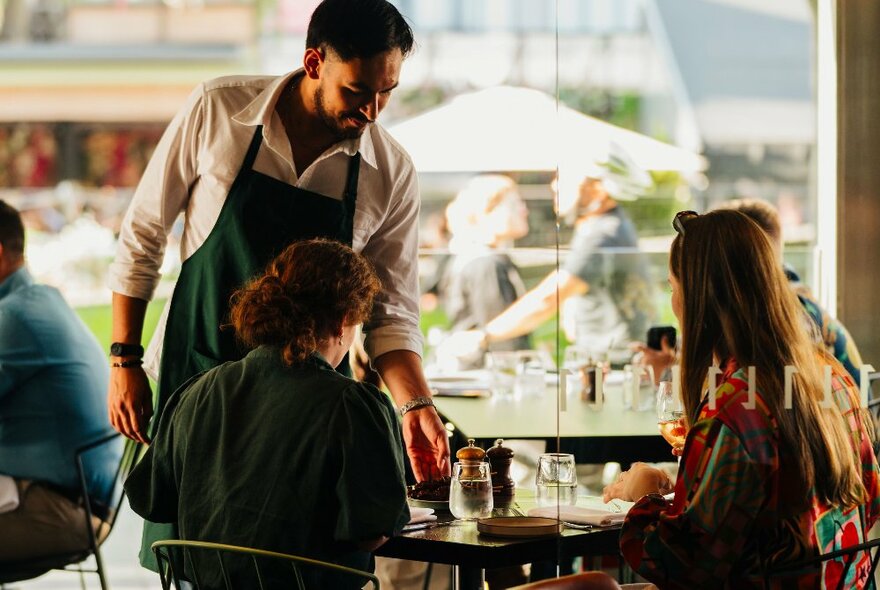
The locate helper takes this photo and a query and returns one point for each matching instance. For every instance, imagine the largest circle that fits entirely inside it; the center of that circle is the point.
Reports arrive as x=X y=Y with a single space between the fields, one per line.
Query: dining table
x=459 y=543
x=594 y=433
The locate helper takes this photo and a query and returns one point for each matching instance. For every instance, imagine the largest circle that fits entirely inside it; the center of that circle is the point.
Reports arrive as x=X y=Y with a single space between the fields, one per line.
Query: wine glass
x=670 y=415
x=470 y=491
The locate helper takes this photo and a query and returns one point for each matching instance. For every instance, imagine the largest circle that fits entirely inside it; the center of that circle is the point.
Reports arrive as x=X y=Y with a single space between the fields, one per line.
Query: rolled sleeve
x=393 y=250
x=160 y=197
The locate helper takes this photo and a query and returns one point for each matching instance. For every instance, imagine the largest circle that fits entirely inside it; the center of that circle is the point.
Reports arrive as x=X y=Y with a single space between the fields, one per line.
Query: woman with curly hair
x=777 y=467
x=278 y=451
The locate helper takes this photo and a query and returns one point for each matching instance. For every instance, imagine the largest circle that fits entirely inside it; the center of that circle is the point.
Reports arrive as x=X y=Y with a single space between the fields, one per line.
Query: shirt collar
x=260 y=109
x=17 y=280
x=274 y=353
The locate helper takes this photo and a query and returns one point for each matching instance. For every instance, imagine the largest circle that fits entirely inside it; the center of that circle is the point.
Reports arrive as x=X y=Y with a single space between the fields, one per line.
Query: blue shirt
x=53 y=387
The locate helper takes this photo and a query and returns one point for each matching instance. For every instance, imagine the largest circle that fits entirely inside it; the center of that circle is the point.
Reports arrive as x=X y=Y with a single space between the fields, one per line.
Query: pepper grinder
x=500 y=458
x=469 y=457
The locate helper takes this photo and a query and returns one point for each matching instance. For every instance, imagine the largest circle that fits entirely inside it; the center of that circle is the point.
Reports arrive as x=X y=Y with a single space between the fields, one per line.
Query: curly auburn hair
x=306 y=294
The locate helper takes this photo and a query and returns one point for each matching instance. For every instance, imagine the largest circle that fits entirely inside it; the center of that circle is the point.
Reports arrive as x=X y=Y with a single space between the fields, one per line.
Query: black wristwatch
x=122 y=349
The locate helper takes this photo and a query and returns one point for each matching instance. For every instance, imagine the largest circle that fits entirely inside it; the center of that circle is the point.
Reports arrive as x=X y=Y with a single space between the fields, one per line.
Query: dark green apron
x=260 y=217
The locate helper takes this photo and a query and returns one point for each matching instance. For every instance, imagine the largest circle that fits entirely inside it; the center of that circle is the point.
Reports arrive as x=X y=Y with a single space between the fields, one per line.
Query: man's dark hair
x=358 y=28
x=11 y=230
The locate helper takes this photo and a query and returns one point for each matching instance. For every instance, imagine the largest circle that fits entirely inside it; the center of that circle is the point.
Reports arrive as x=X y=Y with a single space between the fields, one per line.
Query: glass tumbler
x=470 y=492
x=556 y=479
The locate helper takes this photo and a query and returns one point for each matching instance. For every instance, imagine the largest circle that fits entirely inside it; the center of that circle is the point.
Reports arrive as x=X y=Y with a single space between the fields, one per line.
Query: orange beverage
x=673 y=431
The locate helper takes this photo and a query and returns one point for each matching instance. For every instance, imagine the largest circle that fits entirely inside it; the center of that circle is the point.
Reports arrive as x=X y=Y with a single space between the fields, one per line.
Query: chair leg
x=99 y=567
x=427 y=583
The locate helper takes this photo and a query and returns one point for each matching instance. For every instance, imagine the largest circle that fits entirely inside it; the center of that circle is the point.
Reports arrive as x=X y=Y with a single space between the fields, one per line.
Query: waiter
x=257 y=162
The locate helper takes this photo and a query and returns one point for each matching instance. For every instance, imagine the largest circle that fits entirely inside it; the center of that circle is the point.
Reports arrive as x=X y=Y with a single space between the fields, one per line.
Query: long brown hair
x=736 y=302
x=306 y=294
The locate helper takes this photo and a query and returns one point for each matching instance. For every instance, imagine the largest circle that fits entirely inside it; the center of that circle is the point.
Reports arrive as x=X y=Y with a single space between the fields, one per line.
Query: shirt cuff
x=381 y=340
x=130 y=281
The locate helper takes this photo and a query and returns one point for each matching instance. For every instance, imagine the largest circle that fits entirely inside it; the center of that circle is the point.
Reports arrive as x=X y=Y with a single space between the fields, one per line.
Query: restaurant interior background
x=762 y=99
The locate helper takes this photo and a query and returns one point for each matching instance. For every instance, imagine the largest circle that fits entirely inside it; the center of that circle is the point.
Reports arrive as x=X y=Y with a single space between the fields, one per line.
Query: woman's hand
x=658 y=360
x=640 y=480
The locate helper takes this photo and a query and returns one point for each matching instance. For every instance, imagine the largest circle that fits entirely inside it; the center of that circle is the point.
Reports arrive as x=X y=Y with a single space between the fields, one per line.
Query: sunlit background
x=509 y=86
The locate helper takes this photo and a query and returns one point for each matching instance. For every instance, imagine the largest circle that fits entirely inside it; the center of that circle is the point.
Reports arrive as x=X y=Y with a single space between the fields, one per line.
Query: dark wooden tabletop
x=458 y=542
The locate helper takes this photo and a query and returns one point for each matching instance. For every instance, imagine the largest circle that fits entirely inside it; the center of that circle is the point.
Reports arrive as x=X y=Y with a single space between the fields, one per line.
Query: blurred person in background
x=53 y=376
x=829 y=332
x=767 y=482
x=604 y=282
x=278 y=451
x=480 y=280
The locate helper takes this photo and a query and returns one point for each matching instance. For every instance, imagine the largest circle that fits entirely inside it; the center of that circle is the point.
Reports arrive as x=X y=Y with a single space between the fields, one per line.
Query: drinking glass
x=556 y=479
x=530 y=374
x=670 y=415
x=638 y=387
x=502 y=365
x=470 y=492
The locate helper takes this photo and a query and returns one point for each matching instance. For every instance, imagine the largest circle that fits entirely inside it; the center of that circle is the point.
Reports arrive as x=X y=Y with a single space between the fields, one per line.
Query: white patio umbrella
x=509 y=128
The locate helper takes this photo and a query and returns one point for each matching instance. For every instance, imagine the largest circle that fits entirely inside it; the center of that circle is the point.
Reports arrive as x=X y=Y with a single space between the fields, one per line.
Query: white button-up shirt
x=199 y=157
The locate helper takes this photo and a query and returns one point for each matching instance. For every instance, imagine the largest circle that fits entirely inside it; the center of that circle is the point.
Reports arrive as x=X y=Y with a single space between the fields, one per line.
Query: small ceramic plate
x=519 y=526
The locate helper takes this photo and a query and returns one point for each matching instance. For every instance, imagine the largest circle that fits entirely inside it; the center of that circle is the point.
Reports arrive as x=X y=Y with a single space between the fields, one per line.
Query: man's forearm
x=401 y=370
x=535 y=307
x=128 y=319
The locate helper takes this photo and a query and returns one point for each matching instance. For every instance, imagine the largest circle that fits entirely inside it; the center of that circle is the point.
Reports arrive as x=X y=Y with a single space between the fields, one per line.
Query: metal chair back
x=194 y=561
x=106 y=507
x=849 y=556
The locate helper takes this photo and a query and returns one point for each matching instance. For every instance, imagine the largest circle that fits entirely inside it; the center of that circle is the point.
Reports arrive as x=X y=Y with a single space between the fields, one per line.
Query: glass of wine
x=670 y=415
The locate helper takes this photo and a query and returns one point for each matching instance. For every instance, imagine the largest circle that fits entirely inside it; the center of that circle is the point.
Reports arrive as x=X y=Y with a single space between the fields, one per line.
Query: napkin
x=8 y=494
x=580 y=515
x=417 y=515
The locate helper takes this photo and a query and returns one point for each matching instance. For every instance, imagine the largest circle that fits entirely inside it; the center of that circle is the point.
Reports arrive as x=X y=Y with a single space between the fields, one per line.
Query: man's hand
x=461 y=348
x=640 y=480
x=426 y=443
x=130 y=402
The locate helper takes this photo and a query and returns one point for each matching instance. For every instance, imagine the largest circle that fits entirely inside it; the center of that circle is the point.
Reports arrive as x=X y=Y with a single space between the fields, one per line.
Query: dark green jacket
x=296 y=459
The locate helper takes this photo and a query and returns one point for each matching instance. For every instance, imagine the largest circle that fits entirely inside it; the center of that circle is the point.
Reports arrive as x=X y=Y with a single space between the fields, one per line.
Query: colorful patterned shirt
x=724 y=528
x=835 y=336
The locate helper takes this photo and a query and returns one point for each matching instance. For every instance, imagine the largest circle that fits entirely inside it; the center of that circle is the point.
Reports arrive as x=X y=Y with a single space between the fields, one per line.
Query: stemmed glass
x=470 y=491
x=670 y=415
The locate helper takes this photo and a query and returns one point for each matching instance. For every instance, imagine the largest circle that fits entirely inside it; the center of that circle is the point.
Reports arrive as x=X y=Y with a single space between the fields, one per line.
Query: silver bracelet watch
x=415 y=404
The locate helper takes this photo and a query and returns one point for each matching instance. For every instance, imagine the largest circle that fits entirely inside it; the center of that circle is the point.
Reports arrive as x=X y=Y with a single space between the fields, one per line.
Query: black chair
x=106 y=508
x=848 y=556
x=176 y=563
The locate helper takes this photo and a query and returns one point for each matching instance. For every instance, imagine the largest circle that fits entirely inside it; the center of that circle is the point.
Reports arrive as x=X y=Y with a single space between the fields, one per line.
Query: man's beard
x=332 y=123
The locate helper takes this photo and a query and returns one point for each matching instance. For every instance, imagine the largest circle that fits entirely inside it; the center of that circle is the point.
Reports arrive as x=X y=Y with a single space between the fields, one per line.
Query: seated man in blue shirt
x=53 y=378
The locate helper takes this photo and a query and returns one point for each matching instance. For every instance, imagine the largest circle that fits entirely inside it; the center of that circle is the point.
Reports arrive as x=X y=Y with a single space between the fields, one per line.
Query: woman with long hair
x=771 y=474
x=278 y=451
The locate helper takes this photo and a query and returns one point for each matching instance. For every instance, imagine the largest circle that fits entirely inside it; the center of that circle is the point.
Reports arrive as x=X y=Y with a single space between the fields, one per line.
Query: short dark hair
x=11 y=230
x=761 y=212
x=358 y=28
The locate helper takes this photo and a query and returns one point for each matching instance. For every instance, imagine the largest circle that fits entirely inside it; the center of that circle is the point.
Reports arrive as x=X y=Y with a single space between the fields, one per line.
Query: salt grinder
x=470 y=457
x=500 y=459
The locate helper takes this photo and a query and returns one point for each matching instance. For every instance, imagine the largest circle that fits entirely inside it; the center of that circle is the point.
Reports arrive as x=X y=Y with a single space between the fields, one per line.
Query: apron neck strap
x=251 y=155
x=351 y=183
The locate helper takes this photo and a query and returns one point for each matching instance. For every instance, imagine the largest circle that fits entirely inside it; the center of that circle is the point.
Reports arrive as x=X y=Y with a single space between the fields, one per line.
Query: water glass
x=638 y=387
x=530 y=374
x=556 y=479
x=470 y=492
x=502 y=365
